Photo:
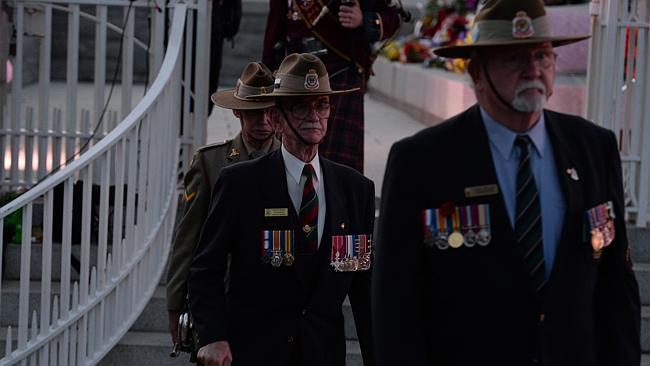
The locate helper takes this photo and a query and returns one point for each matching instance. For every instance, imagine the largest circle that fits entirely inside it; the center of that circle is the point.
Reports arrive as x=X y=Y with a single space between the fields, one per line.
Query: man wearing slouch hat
x=501 y=238
x=255 y=139
x=298 y=229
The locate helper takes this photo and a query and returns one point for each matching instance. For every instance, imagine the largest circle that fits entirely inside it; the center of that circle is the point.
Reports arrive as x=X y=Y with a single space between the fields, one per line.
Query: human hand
x=172 y=315
x=215 y=354
x=350 y=14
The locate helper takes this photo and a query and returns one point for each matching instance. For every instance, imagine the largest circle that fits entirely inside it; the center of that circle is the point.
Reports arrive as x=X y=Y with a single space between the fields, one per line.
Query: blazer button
x=303 y=312
x=541 y=318
x=290 y=339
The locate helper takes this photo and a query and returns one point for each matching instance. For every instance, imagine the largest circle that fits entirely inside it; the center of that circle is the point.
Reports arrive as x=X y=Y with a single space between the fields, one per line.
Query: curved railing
x=79 y=322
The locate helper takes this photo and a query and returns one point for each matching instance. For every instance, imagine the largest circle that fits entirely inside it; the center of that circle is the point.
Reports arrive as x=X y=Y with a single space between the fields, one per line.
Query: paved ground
x=384 y=124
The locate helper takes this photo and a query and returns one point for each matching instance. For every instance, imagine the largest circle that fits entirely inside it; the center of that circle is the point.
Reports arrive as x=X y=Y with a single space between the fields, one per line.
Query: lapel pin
x=573 y=173
x=343 y=225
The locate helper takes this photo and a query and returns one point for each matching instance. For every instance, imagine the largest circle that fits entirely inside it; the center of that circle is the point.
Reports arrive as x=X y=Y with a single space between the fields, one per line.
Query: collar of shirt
x=295 y=166
x=504 y=139
x=253 y=151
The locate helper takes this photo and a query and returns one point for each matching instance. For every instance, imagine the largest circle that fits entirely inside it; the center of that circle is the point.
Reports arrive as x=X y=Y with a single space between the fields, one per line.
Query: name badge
x=481 y=191
x=276 y=212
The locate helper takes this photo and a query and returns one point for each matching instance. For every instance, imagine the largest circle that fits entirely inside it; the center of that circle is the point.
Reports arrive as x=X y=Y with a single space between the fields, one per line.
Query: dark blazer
x=286 y=315
x=475 y=306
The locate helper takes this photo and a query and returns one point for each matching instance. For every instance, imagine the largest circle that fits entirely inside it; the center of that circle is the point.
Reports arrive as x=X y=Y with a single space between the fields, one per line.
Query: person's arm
x=206 y=286
x=397 y=289
x=196 y=199
x=618 y=314
x=360 y=290
x=276 y=30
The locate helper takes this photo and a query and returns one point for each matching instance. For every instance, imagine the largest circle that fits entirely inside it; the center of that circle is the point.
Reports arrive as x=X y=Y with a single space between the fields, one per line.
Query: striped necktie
x=309 y=208
x=528 y=222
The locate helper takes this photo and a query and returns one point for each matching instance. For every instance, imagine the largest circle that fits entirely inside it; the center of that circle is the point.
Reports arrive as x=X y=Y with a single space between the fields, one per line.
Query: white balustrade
x=619 y=91
x=117 y=199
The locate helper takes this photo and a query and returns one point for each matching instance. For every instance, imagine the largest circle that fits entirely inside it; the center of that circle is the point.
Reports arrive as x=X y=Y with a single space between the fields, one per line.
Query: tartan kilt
x=344 y=142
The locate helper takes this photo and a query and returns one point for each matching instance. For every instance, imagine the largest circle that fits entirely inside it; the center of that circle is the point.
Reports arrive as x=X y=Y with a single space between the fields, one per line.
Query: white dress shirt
x=296 y=183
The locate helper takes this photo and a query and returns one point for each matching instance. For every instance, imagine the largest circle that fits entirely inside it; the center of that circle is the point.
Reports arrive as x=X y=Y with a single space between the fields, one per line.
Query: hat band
x=297 y=84
x=242 y=91
x=501 y=30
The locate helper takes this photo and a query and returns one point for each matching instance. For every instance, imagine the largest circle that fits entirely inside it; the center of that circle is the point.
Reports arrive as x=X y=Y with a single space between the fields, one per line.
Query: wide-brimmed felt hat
x=509 y=22
x=256 y=79
x=302 y=74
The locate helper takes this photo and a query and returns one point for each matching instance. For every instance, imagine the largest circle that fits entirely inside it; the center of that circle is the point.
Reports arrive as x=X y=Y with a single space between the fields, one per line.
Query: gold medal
x=288 y=260
x=597 y=240
x=456 y=240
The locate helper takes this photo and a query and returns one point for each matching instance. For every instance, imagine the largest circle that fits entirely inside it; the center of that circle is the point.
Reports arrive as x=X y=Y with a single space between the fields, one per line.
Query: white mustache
x=310 y=125
x=532 y=84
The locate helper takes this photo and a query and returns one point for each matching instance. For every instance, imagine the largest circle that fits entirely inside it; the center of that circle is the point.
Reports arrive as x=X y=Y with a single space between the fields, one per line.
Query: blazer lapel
x=568 y=175
x=477 y=169
x=335 y=220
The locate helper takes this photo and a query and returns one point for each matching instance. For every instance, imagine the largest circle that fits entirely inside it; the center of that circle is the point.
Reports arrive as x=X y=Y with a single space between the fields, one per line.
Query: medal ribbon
x=265 y=242
x=456 y=219
x=349 y=246
x=288 y=242
x=276 y=241
x=429 y=222
x=442 y=223
x=483 y=216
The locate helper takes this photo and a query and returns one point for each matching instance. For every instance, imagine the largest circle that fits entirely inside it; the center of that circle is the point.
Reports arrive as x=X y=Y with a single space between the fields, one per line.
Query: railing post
x=127 y=60
x=16 y=93
x=202 y=72
x=100 y=60
x=44 y=91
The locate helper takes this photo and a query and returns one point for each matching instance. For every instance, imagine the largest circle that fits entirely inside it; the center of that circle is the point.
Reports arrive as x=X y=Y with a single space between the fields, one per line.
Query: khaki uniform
x=199 y=180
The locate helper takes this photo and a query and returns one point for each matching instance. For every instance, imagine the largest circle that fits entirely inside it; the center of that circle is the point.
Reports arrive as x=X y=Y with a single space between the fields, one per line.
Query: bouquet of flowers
x=444 y=23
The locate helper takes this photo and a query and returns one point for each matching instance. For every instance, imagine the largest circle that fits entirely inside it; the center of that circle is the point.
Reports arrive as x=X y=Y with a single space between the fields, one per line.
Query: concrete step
x=154 y=316
x=642 y=272
x=152 y=319
x=639 y=239
x=146 y=348
x=11 y=264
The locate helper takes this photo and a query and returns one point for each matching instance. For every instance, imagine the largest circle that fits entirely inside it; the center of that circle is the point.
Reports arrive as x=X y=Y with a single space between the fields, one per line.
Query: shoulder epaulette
x=214 y=146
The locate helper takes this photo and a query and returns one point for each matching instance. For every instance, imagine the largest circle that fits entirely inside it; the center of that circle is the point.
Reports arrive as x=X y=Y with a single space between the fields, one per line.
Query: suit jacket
x=471 y=306
x=199 y=179
x=286 y=315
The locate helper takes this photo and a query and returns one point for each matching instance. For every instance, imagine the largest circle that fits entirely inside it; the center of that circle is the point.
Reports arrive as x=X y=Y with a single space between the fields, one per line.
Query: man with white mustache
x=284 y=219
x=501 y=238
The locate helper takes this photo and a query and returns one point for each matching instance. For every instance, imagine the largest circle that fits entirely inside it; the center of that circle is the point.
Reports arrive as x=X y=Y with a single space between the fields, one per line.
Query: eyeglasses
x=520 y=60
x=302 y=109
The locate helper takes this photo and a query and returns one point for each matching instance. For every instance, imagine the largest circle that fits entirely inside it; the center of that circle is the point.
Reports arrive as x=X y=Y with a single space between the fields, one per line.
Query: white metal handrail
x=87 y=318
x=619 y=91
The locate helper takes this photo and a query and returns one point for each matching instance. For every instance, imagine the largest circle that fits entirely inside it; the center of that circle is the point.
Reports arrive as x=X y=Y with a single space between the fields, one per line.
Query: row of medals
x=277 y=259
x=444 y=240
x=351 y=264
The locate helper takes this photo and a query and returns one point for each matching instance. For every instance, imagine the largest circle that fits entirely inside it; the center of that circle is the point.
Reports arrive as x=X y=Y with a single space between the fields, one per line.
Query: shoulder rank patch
x=188 y=197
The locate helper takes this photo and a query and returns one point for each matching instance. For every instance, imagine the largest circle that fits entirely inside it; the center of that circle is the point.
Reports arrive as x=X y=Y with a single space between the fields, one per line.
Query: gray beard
x=529 y=104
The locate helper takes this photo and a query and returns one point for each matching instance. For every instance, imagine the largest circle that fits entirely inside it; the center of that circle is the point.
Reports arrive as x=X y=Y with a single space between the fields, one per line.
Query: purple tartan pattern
x=344 y=142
